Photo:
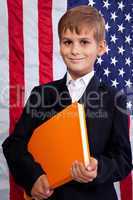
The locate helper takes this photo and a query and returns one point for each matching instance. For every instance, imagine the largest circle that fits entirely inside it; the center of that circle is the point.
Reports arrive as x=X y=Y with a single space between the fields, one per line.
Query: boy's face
x=79 y=51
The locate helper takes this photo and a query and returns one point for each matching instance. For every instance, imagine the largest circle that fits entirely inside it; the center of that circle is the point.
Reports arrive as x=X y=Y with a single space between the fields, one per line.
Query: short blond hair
x=76 y=18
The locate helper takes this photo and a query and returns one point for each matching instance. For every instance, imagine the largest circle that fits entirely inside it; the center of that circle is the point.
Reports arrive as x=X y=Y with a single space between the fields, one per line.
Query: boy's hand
x=82 y=173
x=40 y=189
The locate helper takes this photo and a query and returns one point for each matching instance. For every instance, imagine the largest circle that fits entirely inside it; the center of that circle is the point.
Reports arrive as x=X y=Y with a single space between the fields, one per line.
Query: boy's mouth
x=76 y=59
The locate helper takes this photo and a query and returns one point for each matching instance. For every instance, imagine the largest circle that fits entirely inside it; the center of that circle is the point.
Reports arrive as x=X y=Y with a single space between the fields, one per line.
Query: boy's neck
x=77 y=76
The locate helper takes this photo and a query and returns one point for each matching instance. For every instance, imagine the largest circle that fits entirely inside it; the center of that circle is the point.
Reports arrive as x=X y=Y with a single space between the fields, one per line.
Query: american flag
x=29 y=55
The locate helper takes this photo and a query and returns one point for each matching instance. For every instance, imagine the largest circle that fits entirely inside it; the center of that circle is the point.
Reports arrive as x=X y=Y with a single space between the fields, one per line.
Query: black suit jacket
x=107 y=125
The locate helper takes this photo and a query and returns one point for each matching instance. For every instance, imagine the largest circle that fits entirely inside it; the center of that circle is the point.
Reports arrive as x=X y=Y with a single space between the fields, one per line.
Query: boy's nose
x=75 y=49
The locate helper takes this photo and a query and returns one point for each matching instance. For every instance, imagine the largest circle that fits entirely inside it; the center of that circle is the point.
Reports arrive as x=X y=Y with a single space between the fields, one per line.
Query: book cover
x=59 y=141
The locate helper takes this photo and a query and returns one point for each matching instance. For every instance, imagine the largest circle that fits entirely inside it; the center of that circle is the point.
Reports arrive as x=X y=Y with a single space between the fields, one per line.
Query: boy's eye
x=67 y=42
x=84 y=42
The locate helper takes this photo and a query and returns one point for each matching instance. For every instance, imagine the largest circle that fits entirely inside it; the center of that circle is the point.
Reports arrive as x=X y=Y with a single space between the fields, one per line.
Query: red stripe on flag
x=16 y=74
x=126 y=184
x=45 y=40
x=126 y=188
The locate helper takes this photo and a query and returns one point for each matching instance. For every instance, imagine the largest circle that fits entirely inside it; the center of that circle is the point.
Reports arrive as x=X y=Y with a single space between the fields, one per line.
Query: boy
x=82 y=39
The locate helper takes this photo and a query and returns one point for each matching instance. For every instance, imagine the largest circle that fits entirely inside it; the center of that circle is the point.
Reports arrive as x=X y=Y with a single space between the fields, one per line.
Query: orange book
x=58 y=142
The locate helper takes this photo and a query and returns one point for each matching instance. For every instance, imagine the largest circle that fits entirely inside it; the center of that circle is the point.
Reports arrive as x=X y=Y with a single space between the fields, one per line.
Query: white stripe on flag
x=31 y=59
x=117 y=188
x=59 y=7
x=4 y=98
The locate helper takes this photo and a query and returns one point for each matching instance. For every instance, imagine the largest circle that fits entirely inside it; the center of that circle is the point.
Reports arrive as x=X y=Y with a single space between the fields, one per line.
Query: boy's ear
x=102 y=48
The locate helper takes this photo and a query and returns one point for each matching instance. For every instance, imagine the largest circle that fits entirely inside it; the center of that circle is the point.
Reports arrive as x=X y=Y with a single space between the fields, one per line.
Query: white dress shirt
x=77 y=87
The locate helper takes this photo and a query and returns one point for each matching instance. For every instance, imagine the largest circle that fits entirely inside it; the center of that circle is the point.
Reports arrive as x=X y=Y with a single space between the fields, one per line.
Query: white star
x=128 y=61
x=128 y=83
x=114 y=83
x=113 y=16
x=128 y=17
x=120 y=5
x=91 y=3
x=114 y=61
x=129 y=105
x=113 y=38
x=106 y=72
x=99 y=60
x=121 y=28
x=121 y=72
x=128 y=39
x=106 y=4
x=107 y=26
x=121 y=50
x=107 y=49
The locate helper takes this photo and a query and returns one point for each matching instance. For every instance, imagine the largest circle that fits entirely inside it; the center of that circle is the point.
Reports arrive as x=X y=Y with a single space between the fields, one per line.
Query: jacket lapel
x=64 y=95
x=91 y=87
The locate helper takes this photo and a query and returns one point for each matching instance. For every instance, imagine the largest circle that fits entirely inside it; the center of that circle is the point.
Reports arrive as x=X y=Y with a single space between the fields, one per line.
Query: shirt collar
x=85 y=79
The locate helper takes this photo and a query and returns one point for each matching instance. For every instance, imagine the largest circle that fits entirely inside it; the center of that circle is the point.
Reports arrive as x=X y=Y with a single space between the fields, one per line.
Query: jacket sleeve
x=116 y=163
x=21 y=163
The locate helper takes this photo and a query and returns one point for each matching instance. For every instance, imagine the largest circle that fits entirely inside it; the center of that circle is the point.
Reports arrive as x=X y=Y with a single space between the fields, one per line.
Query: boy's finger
x=90 y=175
x=93 y=164
x=77 y=172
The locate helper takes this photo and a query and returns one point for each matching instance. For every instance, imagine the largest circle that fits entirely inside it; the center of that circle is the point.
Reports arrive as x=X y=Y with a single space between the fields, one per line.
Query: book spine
x=85 y=142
